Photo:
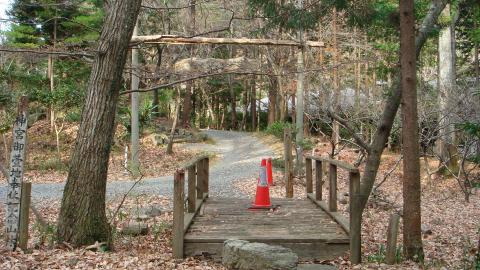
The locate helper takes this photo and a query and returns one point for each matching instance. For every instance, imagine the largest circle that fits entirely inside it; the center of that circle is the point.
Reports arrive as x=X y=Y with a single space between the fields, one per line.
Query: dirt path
x=238 y=155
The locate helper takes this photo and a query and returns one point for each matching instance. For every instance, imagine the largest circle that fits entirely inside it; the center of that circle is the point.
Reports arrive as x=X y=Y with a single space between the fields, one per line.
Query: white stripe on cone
x=263 y=177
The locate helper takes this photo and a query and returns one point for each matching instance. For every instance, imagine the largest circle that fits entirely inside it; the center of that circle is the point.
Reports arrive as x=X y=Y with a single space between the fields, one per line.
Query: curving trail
x=239 y=156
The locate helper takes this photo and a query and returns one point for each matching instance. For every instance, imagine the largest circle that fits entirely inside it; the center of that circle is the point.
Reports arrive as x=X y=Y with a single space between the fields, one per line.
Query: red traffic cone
x=262 y=197
x=269 y=172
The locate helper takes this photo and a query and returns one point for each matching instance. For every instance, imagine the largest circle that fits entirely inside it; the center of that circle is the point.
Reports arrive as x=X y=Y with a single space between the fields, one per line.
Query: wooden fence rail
x=197 y=191
x=352 y=226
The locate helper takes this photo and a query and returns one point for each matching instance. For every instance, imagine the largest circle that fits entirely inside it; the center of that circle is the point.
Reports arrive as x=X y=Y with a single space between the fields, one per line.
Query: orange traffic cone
x=269 y=172
x=262 y=197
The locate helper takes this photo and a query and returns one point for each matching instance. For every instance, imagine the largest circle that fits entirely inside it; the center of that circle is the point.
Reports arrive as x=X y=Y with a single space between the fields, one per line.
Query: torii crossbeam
x=172 y=39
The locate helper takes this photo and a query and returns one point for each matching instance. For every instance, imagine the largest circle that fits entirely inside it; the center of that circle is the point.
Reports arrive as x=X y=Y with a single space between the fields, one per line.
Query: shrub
x=276 y=129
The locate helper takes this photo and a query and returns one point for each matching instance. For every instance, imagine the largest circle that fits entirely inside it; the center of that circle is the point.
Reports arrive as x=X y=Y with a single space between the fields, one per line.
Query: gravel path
x=239 y=156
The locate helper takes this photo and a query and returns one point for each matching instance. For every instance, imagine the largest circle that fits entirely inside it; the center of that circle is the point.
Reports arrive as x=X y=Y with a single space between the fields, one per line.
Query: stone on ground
x=151 y=211
x=243 y=255
x=316 y=267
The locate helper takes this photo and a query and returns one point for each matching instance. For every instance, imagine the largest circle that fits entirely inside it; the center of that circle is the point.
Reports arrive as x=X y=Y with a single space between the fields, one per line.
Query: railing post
x=308 y=175
x=207 y=175
x=355 y=218
x=204 y=163
x=318 y=180
x=178 y=213
x=287 y=138
x=192 y=191
x=200 y=179
x=26 y=192
x=332 y=198
x=392 y=233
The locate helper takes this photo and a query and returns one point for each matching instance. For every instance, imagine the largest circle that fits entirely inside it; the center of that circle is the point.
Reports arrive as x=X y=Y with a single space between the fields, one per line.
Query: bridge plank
x=298 y=224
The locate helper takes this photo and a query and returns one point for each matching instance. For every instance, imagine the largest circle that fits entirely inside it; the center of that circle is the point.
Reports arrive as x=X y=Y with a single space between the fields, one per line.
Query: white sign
x=17 y=159
x=263 y=176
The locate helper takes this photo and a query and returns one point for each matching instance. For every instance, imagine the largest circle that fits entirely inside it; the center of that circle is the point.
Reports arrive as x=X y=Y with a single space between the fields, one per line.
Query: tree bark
x=446 y=84
x=155 y=101
x=336 y=83
x=82 y=218
x=174 y=124
x=135 y=114
x=253 y=103
x=187 y=101
x=299 y=110
x=233 y=104
x=245 y=106
x=475 y=59
x=272 y=101
x=412 y=219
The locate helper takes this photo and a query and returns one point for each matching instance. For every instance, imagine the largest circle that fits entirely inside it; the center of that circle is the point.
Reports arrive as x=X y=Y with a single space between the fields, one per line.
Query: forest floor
x=451 y=244
x=45 y=165
x=451 y=226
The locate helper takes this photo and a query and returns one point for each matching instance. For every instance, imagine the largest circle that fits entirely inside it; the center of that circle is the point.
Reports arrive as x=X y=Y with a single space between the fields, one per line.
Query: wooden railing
x=197 y=191
x=352 y=226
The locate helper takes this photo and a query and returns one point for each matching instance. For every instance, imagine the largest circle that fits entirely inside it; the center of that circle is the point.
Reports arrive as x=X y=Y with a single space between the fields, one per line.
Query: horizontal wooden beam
x=189 y=216
x=171 y=39
x=343 y=165
x=338 y=217
x=193 y=161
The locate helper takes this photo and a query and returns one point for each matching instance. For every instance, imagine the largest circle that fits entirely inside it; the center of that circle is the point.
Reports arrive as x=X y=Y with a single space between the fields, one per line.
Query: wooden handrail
x=197 y=192
x=341 y=164
x=193 y=161
x=352 y=226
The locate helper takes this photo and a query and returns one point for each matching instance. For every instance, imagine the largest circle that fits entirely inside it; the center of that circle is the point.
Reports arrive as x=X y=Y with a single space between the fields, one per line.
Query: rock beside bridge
x=243 y=255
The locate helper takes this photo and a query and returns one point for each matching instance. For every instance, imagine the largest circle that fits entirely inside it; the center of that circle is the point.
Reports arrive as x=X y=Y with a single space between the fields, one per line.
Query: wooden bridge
x=311 y=227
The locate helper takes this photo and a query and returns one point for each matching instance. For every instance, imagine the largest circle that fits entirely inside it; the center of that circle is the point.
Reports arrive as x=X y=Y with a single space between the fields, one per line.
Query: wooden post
x=200 y=181
x=24 y=215
x=178 y=215
x=318 y=180
x=308 y=175
x=355 y=218
x=207 y=175
x=332 y=198
x=392 y=238
x=287 y=139
x=15 y=179
x=192 y=191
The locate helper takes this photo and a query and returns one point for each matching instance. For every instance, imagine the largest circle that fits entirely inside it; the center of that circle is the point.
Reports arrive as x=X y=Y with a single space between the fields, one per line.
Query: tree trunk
x=174 y=124
x=135 y=123
x=187 y=101
x=272 y=101
x=253 y=104
x=155 y=101
x=283 y=106
x=475 y=59
x=336 y=83
x=51 y=73
x=412 y=220
x=233 y=104
x=300 y=98
x=211 y=114
x=446 y=84
x=245 y=106
x=82 y=218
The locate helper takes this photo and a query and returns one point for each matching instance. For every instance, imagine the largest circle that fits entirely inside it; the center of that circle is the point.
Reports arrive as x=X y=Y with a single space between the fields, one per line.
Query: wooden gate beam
x=172 y=39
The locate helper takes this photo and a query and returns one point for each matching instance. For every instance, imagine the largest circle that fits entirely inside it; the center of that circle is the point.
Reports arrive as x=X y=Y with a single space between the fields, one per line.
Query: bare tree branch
x=15 y=50
x=352 y=132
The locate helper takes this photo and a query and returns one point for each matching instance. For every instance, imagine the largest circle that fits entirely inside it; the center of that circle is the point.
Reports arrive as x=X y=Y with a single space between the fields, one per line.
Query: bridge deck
x=296 y=224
